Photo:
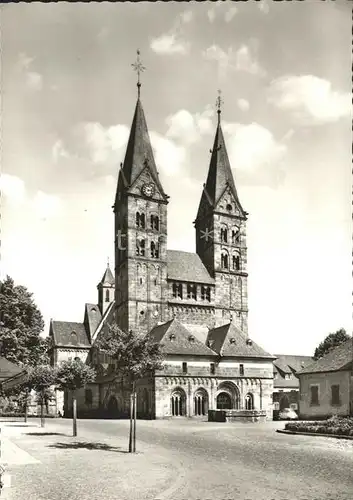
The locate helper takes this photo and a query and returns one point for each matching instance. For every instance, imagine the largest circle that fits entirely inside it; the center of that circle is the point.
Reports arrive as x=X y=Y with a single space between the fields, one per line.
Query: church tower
x=106 y=288
x=140 y=210
x=221 y=236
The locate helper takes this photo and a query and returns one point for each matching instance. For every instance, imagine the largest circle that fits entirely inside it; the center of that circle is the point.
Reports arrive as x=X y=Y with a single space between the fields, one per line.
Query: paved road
x=240 y=461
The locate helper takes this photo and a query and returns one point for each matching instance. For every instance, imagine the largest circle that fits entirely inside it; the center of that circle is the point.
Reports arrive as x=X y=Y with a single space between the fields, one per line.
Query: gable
x=339 y=358
x=69 y=334
x=227 y=200
x=146 y=177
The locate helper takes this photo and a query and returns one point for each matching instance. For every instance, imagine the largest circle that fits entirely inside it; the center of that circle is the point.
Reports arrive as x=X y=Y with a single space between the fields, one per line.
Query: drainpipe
x=260 y=394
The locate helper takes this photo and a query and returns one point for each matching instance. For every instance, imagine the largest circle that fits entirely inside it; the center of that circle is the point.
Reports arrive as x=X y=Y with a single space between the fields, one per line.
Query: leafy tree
x=136 y=356
x=41 y=378
x=21 y=324
x=73 y=375
x=331 y=341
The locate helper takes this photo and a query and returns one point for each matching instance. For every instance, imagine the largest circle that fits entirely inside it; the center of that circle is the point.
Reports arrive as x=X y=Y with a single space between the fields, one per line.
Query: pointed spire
x=107 y=278
x=219 y=173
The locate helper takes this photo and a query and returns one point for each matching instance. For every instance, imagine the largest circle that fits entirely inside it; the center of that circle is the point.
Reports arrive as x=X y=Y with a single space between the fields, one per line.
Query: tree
x=21 y=324
x=73 y=375
x=136 y=356
x=41 y=378
x=332 y=340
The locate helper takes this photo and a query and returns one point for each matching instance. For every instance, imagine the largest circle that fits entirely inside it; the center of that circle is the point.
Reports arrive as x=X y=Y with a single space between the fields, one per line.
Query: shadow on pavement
x=87 y=446
x=45 y=434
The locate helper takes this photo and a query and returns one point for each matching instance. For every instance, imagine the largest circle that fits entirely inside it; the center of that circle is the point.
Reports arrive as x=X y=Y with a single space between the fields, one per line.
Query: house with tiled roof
x=286 y=381
x=326 y=385
x=194 y=303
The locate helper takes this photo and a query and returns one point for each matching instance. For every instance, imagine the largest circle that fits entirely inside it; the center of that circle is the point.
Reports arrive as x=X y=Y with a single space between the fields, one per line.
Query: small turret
x=106 y=288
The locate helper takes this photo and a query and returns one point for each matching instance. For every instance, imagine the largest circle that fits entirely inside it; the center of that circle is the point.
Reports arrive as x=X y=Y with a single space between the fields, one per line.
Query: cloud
x=33 y=79
x=255 y=153
x=59 y=151
x=310 y=100
x=169 y=44
x=243 y=104
x=211 y=13
x=264 y=6
x=12 y=188
x=169 y=157
x=241 y=60
x=187 y=127
x=230 y=14
x=245 y=61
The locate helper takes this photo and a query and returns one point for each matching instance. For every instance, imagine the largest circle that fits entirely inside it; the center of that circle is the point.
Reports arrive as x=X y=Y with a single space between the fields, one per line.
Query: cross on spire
x=139 y=68
x=219 y=102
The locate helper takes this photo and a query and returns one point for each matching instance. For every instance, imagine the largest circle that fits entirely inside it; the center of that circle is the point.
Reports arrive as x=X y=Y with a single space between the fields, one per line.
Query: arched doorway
x=113 y=407
x=283 y=402
x=200 y=403
x=178 y=403
x=224 y=401
x=249 y=401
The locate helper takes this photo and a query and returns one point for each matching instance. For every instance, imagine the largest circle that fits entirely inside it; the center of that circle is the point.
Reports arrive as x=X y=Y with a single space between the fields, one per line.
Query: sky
x=68 y=96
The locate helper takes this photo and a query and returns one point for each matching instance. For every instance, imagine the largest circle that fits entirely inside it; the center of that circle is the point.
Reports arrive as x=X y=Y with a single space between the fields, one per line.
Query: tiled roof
x=63 y=334
x=228 y=340
x=339 y=358
x=92 y=318
x=8 y=369
x=176 y=339
x=187 y=266
x=108 y=278
x=288 y=364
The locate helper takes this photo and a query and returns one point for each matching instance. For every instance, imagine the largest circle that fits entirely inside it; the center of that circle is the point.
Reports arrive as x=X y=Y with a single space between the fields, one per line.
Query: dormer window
x=232 y=340
x=248 y=342
x=206 y=293
x=191 y=338
x=191 y=291
x=172 y=336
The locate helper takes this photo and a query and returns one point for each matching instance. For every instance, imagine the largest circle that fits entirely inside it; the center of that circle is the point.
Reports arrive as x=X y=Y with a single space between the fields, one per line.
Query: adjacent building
x=326 y=385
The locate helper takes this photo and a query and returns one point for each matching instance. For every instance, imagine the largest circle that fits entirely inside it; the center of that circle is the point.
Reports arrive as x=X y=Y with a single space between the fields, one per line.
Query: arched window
x=224 y=235
x=236 y=262
x=140 y=220
x=73 y=338
x=155 y=222
x=154 y=250
x=140 y=247
x=224 y=260
x=224 y=401
x=200 y=403
x=249 y=402
x=235 y=236
x=178 y=401
x=107 y=298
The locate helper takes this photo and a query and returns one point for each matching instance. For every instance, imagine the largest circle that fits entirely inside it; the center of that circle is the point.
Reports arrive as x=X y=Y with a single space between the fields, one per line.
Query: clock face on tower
x=148 y=189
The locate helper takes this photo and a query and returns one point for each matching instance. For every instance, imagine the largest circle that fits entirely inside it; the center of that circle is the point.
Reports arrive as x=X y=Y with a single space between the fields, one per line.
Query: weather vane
x=219 y=102
x=139 y=68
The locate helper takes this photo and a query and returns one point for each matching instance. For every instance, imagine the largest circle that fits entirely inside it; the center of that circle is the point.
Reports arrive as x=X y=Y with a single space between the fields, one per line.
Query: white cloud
x=59 y=151
x=230 y=14
x=34 y=80
x=186 y=16
x=264 y=6
x=245 y=61
x=168 y=156
x=243 y=104
x=241 y=60
x=310 y=99
x=187 y=127
x=47 y=205
x=211 y=15
x=13 y=188
x=253 y=150
x=24 y=61
x=169 y=44
x=98 y=142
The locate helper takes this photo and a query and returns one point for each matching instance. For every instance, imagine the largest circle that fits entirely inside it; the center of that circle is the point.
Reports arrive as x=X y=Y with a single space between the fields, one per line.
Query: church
x=194 y=304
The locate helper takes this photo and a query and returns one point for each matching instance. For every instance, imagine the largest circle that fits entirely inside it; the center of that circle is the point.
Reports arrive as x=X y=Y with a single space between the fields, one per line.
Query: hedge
x=341 y=426
x=22 y=415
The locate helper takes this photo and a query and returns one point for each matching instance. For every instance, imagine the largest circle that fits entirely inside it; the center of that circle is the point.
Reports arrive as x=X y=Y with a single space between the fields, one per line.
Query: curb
x=337 y=436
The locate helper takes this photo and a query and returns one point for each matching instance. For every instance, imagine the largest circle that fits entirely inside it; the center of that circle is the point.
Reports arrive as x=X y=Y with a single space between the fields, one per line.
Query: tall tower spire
x=219 y=102
x=139 y=68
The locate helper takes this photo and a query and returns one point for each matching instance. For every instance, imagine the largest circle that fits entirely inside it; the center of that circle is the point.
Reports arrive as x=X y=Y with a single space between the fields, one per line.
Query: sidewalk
x=47 y=464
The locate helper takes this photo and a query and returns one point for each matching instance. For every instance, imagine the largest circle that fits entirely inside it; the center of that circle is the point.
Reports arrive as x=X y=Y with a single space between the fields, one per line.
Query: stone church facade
x=194 y=304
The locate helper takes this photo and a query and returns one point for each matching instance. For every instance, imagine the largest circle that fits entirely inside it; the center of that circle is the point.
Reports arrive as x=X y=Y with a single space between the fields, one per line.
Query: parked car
x=287 y=414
